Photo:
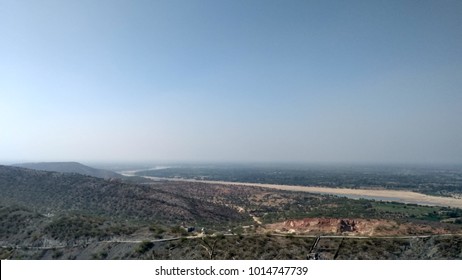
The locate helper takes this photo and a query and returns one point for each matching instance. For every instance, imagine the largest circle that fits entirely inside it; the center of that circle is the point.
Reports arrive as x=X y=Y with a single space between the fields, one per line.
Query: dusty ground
x=353 y=227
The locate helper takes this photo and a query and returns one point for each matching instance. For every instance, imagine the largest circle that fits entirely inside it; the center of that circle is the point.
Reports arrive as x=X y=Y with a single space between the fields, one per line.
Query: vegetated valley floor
x=49 y=215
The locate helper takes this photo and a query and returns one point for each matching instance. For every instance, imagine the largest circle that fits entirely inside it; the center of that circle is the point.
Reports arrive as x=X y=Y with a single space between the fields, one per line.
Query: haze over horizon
x=250 y=81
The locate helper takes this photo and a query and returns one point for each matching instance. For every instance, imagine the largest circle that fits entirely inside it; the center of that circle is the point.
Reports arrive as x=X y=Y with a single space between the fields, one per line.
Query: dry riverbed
x=376 y=194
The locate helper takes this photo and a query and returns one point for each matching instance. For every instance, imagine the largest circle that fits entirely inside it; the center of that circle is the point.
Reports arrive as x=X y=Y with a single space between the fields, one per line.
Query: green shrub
x=144 y=246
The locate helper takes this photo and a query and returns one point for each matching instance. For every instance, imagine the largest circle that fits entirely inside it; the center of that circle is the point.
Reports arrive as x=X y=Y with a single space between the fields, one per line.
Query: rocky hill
x=53 y=192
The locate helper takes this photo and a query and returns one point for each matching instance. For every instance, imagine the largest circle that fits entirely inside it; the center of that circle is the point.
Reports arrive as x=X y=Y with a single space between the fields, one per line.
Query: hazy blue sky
x=313 y=81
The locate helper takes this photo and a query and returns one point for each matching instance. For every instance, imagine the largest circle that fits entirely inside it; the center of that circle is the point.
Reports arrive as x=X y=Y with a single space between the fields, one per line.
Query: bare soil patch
x=354 y=227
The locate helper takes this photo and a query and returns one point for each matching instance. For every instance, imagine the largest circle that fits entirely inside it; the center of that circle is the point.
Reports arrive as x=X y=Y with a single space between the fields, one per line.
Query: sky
x=240 y=81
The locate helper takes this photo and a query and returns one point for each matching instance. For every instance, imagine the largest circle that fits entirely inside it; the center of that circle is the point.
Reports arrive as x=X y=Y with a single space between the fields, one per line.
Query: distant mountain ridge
x=71 y=167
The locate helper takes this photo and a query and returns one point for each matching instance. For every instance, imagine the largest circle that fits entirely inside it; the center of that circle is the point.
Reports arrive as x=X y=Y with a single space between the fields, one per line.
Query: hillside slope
x=70 y=167
x=52 y=192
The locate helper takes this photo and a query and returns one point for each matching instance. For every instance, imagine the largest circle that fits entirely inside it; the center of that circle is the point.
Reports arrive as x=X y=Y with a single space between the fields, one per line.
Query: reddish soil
x=364 y=227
